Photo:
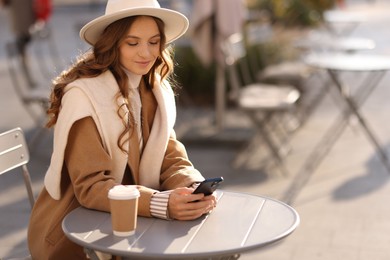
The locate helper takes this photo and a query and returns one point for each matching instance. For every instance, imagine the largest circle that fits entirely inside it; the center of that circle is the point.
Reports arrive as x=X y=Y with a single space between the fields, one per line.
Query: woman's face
x=141 y=46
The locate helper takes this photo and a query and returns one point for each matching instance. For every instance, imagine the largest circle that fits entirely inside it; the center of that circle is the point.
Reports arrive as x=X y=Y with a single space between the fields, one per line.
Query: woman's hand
x=183 y=205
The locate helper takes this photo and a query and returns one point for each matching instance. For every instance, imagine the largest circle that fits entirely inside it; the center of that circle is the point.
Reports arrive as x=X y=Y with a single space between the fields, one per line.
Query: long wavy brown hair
x=104 y=56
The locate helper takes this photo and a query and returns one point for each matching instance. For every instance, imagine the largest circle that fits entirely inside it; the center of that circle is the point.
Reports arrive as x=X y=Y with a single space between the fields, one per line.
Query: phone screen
x=208 y=186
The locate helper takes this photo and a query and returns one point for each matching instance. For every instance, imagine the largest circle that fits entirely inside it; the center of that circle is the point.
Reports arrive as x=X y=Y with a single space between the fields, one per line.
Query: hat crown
x=114 y=6
x=176 y=24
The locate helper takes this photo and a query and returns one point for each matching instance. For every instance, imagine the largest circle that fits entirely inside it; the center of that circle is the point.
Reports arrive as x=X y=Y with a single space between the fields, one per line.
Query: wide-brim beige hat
x=176 y=24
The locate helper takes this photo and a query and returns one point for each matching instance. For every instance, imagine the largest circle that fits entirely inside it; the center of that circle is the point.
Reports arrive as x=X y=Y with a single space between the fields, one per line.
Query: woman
x=114 y=113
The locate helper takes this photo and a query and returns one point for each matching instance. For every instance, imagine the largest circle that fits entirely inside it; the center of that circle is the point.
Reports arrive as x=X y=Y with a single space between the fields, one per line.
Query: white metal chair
x=261 y=102
x=13 y=154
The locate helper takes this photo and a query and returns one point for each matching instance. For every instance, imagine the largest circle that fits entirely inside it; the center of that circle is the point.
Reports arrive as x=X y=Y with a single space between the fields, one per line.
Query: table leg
x=91 y=254
x=261 y=125
x=332 y=135
x=354 y=107
x=314 y=159
x=232 y=257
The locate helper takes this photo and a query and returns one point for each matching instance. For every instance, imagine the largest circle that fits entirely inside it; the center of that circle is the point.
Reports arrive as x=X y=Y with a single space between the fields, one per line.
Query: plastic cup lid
x=123 y=192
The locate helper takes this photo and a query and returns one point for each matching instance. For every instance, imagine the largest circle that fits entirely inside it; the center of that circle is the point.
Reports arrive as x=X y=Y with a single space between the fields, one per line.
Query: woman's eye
x=132 y=44
x=154 y=42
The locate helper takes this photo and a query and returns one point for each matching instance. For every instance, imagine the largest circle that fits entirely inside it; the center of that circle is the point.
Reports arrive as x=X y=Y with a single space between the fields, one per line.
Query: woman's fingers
x=183 y=205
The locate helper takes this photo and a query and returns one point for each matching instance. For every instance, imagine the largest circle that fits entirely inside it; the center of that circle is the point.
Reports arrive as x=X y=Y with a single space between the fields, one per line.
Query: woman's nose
x=144 y=51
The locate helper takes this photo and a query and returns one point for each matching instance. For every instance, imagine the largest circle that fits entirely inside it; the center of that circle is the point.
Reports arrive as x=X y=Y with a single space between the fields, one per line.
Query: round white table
x=239 y=223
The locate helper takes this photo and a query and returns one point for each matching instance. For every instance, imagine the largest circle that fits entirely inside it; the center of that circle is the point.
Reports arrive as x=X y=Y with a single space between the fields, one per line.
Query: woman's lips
x=143 y=63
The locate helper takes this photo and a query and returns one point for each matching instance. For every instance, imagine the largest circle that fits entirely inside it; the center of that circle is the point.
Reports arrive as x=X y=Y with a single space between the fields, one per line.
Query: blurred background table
x=375 y=67
x=370 y=69
x=320 y=42
x=342 y=23
x=239 y=223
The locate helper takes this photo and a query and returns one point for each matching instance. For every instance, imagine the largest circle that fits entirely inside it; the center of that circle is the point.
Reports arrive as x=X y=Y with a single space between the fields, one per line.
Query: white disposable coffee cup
x=124 y=209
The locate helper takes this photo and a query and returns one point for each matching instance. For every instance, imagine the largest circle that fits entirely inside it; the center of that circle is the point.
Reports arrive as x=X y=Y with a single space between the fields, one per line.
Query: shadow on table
x=375 y=177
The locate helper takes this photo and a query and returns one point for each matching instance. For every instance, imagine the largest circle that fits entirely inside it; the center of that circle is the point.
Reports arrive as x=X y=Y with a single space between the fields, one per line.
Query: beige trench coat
x=86 y=180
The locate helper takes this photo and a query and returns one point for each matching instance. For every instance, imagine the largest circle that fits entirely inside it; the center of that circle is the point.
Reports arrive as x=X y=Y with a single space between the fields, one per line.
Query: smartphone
x=208 y=186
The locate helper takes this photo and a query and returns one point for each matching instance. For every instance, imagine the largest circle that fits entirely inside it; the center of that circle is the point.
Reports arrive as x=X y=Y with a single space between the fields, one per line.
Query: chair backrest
x=257 y=36
x=258 y=33
x=233 y=48
x=13 y=154
x=235 y=54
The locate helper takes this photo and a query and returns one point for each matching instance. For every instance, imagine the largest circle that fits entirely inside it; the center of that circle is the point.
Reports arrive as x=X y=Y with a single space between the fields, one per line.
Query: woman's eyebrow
x=136 y=37
x=157 y=35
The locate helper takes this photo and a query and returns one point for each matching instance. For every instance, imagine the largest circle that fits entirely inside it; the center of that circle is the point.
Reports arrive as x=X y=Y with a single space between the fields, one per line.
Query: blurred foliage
x=195 y=82
x=293 y=12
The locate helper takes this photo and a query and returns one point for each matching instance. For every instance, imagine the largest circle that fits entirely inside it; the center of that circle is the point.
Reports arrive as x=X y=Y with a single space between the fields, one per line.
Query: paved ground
x=343 y=207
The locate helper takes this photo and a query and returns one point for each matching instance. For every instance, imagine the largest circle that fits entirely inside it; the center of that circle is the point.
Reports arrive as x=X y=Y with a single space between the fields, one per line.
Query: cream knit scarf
x=97 y=98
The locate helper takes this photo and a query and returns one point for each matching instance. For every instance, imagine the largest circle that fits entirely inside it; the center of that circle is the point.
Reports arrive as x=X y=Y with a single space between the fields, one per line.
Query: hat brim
x=176 y=24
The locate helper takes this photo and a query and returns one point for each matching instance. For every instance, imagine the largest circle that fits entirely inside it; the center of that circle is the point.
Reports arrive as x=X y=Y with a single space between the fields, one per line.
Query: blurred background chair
x=45 y=50
x=261 y=102
x=287 y=72
x=25 y=86
x=290 y=72
x=32 y=92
